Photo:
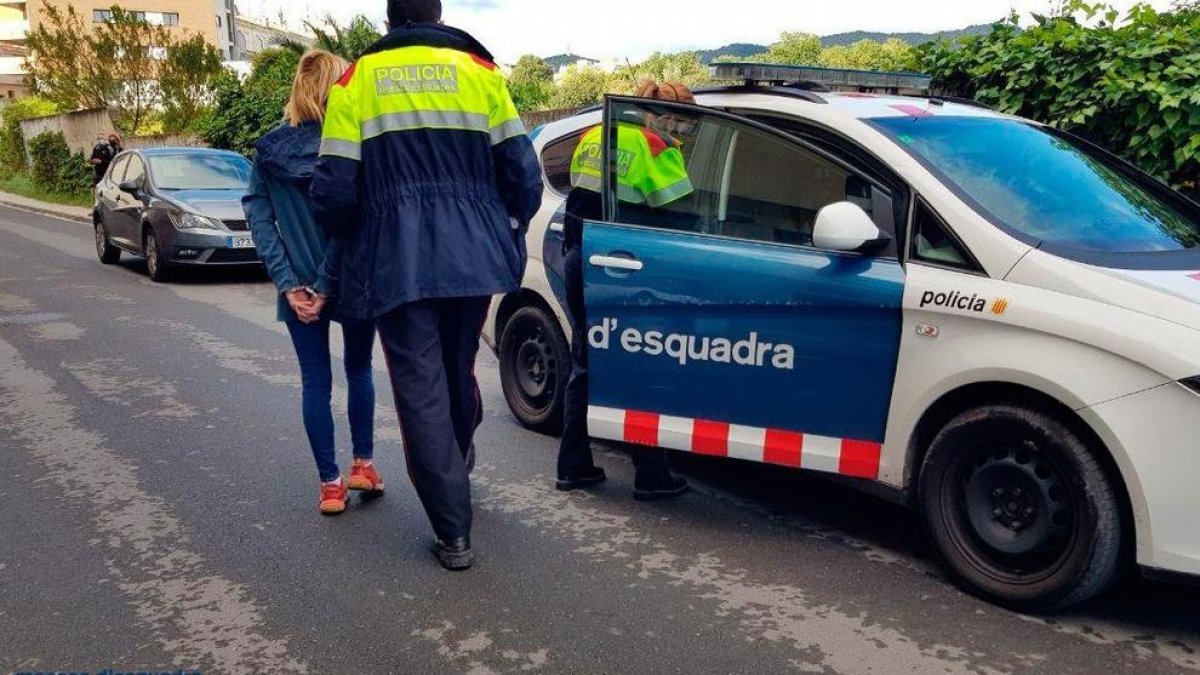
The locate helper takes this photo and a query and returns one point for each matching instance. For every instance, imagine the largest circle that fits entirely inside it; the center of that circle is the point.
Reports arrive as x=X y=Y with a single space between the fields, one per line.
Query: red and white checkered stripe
x=846 y=457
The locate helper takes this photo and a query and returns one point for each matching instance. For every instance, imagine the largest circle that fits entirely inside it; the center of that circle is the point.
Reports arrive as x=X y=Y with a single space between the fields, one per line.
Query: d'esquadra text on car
x=985 y=317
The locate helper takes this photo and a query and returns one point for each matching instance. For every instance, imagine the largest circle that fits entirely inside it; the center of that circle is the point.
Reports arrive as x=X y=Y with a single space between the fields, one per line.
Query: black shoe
x=454 y=554
x=585 y=479
x=661 y=487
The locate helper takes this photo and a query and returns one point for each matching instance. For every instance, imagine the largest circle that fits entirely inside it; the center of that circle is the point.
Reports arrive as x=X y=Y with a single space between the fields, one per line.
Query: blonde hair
x=315 y=76
x=667 y=91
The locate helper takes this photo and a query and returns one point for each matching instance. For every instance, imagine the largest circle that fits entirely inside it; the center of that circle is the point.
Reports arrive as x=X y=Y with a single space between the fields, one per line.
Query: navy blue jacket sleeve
x=260 y=214
x=329 y=275
x=334 y=194
x=519 y=177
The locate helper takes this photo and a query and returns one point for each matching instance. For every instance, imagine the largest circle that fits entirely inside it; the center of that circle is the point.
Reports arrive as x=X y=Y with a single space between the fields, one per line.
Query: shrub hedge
x=55 y=169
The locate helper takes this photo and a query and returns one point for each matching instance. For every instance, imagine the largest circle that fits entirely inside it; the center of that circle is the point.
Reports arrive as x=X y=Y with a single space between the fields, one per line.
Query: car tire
x=156 y=264
x=1020 y=509
x=105 y=251
x=535 y=363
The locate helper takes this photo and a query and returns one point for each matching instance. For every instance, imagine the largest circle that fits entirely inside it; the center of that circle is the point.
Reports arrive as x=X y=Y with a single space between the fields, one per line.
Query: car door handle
x=615 y=263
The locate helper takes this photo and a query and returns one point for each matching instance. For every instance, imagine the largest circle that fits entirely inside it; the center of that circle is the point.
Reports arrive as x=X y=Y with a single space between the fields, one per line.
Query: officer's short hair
x=401 y=12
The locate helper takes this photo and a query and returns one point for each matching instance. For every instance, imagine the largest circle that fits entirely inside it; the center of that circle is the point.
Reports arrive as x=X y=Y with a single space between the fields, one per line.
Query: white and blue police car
x=982 y=316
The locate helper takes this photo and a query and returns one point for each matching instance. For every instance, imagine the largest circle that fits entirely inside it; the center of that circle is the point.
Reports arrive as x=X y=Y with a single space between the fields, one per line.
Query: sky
x=636 y=28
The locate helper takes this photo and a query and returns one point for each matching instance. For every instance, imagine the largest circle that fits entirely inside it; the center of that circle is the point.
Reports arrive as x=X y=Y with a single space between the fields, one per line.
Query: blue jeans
x=316 y=373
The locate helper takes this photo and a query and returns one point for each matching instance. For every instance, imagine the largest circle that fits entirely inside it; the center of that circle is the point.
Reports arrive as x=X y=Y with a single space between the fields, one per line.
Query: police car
x=987 y=318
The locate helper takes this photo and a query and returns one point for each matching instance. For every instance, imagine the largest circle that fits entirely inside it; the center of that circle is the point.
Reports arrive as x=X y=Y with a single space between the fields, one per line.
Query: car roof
x=872 y=106
x=185 y=150
x=851 y=105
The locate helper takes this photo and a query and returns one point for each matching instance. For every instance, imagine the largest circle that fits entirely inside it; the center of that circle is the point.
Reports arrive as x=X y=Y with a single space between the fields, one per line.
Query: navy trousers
x=430 y=347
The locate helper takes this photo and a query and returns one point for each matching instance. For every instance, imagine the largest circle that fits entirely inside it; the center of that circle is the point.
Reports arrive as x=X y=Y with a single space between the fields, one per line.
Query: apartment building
x=254 y=36
x=216 y=20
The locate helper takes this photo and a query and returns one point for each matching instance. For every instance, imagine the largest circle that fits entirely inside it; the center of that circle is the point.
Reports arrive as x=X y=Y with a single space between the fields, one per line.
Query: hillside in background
x=744 y=49
x=738 y=50
x=910 y=38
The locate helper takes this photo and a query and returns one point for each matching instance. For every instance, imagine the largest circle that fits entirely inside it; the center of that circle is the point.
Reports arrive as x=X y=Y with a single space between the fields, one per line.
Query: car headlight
x=191 y=221
x=1192 y=383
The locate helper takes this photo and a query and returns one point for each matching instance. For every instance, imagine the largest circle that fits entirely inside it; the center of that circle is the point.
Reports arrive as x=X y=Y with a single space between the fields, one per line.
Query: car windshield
x=1046 y=186
x=200 y=171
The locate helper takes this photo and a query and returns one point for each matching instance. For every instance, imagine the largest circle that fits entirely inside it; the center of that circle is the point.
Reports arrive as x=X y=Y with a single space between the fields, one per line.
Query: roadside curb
x=43 y=208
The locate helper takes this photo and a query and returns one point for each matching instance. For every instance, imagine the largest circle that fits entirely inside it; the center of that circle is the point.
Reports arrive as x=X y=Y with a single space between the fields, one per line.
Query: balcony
x=14 y=30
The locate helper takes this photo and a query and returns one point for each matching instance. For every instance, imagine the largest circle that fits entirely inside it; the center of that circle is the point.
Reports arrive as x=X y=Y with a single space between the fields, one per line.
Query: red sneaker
x=364 y=477
x=333 y=498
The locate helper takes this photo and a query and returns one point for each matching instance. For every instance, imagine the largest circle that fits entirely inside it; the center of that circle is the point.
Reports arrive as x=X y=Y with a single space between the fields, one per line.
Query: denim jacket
x=294 y=248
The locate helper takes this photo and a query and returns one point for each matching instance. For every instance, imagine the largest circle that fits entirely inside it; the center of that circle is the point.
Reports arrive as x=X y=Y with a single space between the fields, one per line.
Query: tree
x=114 y=65
x=684 y=68
x=870 y=55
x=348 y=42
x=273 y=69
x=62 y=64
x=184 y=80
x=531 y=83
x=134 y=47
x=797 y=49
x=580 y=87
x=245 y=111
x=12 y=143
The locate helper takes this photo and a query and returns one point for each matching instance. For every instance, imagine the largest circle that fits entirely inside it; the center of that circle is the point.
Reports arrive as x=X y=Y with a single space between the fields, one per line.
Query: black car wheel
x=535 y=363
x=107 y=253
x=1020 y=509
x=156 y=265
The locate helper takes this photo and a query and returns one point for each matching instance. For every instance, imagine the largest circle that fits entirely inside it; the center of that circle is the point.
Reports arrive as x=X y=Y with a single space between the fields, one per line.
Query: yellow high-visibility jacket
x=427 y=173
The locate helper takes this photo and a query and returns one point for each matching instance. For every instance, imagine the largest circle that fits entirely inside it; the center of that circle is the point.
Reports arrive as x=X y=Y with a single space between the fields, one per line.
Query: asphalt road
x=157 y=511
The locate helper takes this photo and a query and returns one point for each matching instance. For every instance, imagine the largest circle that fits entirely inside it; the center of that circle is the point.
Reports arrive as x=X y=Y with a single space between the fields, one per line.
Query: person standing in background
x=304 y=265
x=427 y=173
x=102 y=157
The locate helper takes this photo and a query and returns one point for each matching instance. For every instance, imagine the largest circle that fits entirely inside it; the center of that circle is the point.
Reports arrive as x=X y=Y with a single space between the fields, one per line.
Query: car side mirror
x=133 y=187
x=844 y=226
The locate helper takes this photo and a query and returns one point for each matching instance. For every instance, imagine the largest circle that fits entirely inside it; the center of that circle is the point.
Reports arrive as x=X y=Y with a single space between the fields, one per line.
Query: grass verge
x=21 y=184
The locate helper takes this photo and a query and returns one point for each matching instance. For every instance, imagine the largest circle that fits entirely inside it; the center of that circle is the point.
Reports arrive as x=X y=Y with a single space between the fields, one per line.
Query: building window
x=153 y=18
x=218 y=21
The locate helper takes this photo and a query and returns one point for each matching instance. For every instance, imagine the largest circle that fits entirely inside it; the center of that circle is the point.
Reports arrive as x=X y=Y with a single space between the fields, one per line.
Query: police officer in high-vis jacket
x=651 y=173
x=427 y=174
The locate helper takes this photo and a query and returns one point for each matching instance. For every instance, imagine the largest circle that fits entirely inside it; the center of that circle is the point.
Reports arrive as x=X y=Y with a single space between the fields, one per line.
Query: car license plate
x=240 y=242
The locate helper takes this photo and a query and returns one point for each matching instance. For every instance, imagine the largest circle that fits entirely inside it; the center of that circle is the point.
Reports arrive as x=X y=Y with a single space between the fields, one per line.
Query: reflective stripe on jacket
x=650 y=167
x=427 y=172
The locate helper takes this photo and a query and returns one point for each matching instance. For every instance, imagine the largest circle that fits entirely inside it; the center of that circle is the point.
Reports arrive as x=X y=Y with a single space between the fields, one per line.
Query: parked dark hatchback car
x=174 y=207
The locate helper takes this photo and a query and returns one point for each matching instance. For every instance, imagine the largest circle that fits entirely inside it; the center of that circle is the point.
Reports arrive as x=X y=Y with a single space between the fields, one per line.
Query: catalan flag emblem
x=1000 y=306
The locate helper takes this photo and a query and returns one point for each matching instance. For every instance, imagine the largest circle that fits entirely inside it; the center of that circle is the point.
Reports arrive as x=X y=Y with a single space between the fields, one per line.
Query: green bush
x=12 y=146
x=244 y=112
x=55 y=169
x=1132 y=86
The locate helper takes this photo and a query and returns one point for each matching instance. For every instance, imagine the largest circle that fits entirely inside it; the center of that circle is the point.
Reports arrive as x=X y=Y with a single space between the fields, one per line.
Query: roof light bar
x=834 y=78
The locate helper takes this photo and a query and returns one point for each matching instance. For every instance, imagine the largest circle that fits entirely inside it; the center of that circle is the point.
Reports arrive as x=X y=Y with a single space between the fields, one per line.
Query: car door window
x=685 y=169
x=556 y=161
x=117 y=170
x=934 y=243
x=136 y=171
